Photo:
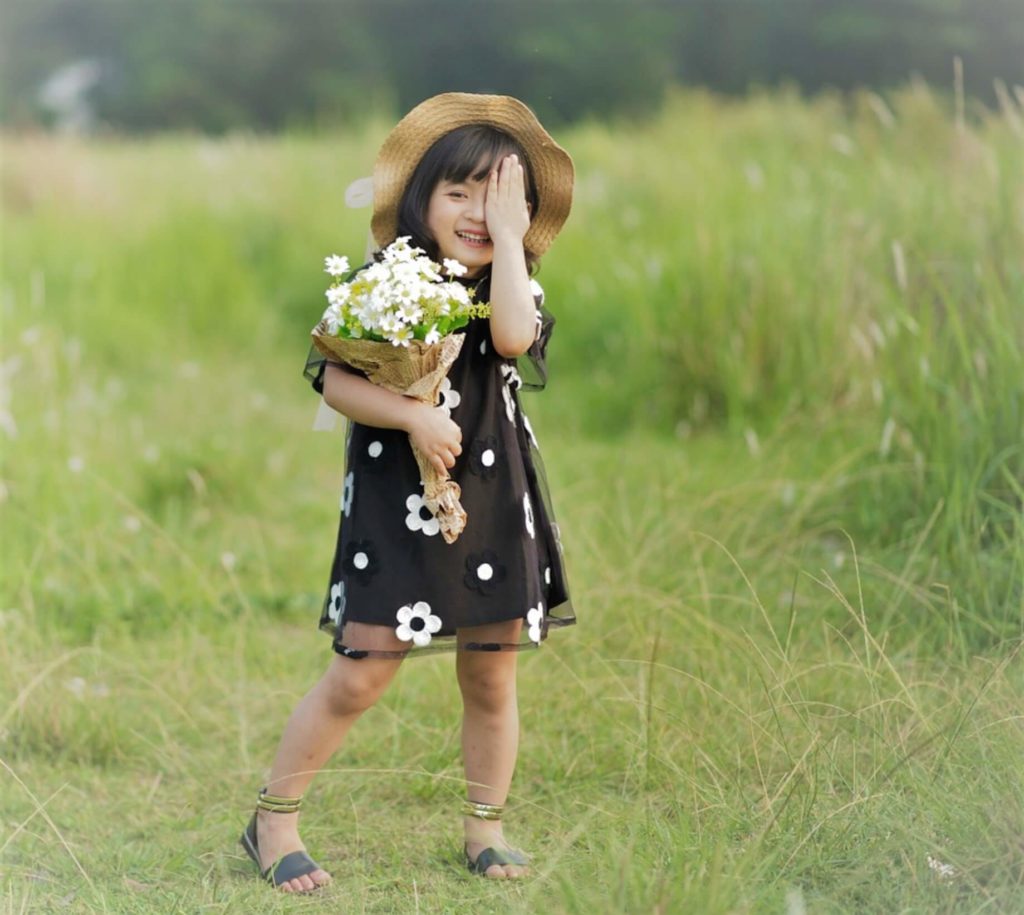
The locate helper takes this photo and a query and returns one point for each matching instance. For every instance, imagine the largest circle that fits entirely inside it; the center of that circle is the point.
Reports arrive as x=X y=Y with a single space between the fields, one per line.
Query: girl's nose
x=476 y=206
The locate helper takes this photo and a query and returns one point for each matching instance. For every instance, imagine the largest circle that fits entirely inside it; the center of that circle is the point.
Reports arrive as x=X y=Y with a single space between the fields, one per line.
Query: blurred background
x=262 y=65
x=784 y=431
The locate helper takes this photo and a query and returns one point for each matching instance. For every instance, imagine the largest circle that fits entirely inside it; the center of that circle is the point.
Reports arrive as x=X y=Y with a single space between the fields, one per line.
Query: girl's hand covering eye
x=505 y=210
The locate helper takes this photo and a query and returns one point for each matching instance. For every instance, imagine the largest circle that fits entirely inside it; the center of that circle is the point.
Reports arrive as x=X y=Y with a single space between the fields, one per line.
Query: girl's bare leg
x=314 y=731
x=490 y=732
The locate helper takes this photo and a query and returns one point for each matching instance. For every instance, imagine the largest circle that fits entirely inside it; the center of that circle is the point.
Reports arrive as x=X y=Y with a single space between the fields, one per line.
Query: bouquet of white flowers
x=394 y=321
x=398 y=299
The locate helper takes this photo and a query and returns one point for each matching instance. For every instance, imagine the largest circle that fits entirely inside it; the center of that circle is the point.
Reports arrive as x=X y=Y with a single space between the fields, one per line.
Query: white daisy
x=338 y=296
x=528 y=512
x=346 y=494
x=335 y=265
x=535 y=620
x=415 y=520
x=454 y=268
x=337 y=604
x=417 y=624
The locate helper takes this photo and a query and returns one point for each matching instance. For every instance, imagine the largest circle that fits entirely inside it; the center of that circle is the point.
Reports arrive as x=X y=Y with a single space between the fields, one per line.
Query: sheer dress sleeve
x=532 y=365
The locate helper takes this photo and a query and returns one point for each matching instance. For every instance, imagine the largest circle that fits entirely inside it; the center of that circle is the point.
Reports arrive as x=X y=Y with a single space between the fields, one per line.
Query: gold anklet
x=482 y=811
x=275 y=804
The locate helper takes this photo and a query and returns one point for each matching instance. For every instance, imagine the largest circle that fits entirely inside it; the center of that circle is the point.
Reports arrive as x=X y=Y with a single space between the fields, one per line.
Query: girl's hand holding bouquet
x=394 y=321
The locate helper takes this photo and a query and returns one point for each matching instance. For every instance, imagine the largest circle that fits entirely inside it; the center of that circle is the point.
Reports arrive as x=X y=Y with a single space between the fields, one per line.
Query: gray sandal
x=288 y=867
x=489 y=856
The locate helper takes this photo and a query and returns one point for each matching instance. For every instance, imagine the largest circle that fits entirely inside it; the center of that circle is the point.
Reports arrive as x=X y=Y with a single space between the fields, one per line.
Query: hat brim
x=550 y=166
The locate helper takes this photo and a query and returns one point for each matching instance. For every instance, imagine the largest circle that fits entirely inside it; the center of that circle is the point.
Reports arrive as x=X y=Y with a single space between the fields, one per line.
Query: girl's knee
x=487 y=682
x=354 y=686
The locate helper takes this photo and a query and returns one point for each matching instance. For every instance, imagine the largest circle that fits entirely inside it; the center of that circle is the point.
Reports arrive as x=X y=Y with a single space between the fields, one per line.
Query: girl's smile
x=455 y=217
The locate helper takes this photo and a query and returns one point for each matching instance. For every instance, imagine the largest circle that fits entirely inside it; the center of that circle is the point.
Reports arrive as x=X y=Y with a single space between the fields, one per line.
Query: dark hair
x=468 y=152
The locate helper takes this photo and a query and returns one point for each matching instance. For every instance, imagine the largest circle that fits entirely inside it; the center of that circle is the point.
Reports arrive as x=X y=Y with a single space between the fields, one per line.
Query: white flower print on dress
x=547 y=575
x=374 y=449
x=510 y=404
x=415 y=520
x=417 y=624
x=528 y=512
x=346 y=494
x=535 y=620
x=512 y=382
x=450 y=398
x=538 y=292
x=511 y=376
x=337 y=604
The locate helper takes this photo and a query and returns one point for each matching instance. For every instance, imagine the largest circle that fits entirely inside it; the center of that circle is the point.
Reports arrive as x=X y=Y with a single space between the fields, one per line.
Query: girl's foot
x=482 y=834
x=277 y=834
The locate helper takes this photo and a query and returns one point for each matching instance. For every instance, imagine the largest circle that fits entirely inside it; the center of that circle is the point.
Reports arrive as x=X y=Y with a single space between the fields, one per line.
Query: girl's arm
x=362 y=401
x=513 y=311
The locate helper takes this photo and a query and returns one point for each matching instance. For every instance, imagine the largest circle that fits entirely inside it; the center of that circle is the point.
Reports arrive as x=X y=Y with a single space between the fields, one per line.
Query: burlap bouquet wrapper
x=416 y=370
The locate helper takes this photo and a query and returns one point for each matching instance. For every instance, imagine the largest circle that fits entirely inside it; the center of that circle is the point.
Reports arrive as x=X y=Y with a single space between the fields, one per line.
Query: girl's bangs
x=475 y=150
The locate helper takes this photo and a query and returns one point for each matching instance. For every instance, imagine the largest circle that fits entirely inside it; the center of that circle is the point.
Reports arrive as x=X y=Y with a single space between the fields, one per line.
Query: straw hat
x=550 y=165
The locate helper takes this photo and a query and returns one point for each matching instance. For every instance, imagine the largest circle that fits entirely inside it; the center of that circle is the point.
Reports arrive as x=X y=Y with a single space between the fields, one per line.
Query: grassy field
x=785 y=437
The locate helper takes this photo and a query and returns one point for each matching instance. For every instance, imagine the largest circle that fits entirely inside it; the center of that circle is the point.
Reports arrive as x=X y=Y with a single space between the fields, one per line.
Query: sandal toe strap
x=500 y=856
x=294 y=864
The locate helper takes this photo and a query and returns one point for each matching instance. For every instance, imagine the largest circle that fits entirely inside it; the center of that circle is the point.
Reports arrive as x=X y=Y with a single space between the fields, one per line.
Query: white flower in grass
x=417 y=624
x=415 y=520
x=535 y=622
x=337 y=604
x=76 y=686
x=335 y=265
x=450 y=398
x=528 y=513
x=941 y=870
x=346 y=494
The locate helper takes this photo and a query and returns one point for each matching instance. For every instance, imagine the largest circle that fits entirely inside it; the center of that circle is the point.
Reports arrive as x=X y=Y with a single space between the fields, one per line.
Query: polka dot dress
x=392 y=568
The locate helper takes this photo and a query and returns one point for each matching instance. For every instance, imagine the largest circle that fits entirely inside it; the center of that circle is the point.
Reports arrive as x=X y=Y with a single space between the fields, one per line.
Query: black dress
x=392 y=567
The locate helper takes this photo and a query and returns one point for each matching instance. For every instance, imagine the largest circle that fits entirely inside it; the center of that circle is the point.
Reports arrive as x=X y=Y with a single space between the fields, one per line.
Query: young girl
x=477 y=179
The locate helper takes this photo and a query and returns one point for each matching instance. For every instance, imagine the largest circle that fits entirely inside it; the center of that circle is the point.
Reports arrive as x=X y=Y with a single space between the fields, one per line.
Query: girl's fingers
x=512 y=172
